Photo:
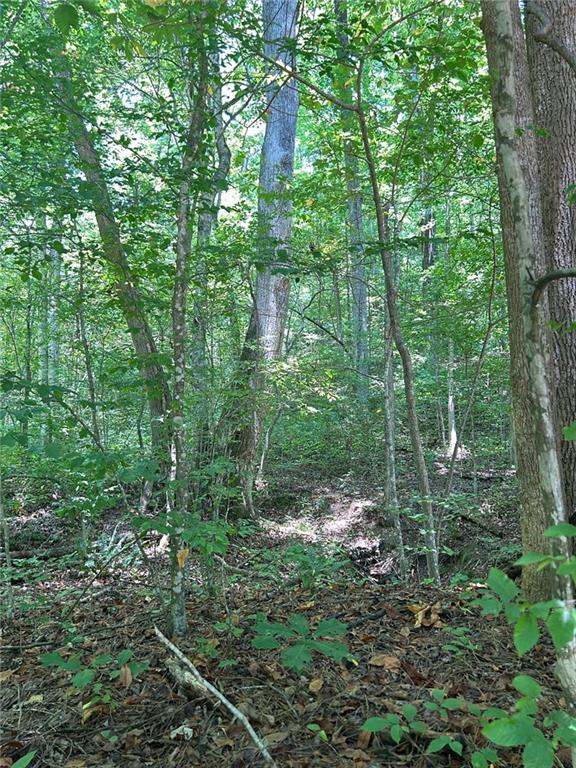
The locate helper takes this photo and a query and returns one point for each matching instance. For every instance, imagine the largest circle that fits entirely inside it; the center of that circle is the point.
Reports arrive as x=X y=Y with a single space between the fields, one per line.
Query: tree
x=551 y=39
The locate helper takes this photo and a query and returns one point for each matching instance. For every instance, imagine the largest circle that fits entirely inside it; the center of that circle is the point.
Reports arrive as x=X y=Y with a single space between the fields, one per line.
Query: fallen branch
x=194 y=679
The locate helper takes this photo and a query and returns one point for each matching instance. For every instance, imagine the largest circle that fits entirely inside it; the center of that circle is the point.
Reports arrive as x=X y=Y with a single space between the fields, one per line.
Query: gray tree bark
x=500 y=19
x=265 y=335
x=550 y=24
x=536 y=584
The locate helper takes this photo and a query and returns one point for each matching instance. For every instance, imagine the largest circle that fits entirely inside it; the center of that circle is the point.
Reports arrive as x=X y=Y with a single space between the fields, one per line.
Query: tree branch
x=550 y=277
x=543 y=34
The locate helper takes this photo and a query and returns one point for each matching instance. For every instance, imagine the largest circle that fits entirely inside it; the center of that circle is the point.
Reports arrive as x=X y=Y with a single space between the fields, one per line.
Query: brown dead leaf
x=6 y=762
x=182 y=555
x=384 y=660
x=6 y=674
x=426 y=615
x=97 y=709
x=363 y=741
x=76 y=762
x=316 y=685
x=405 y=631
x=36 y=698
x=276 y=737
x=125 y=677
x=307 y=605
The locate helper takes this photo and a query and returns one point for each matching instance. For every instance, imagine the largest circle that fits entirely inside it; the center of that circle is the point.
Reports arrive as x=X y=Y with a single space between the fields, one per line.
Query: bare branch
x=543 y=34
x=194 y=679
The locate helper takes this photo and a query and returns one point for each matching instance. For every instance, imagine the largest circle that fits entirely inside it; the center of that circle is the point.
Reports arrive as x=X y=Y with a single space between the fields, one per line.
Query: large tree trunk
x=501 y=31
x=265 y=333
x=553 y=83
x=535 y=583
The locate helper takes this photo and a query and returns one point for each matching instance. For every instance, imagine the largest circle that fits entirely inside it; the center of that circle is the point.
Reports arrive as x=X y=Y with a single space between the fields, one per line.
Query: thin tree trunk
x=125 y=283
x=178 y=500
x=359 y=293
x=403 y=351
x=80 y=313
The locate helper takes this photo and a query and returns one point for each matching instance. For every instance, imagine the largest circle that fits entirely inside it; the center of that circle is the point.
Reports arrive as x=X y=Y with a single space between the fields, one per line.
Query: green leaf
x=375 y=724
x=332 y=650
x=456 y=747
x=538 y=754
x=83 y=678
x=409 y=711
x=298 y=623
x=527 y=686
x=66 y=17
x=569 y=432
x=502 y=584
x=436 y=745
x=526 y=633
x=567 y=734
x=562 y=529
x=264 y=642
x=25 y=760
x=532 y=557
x=562 y=626
x=396 y=733
x=330 y=628
x=296 y=657
x=124 y=656
x=510 y=731
x=568 y=568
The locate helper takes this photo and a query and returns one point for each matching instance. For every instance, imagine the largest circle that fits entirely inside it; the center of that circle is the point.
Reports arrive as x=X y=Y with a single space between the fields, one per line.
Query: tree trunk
x=355 y=214
x=553 y=83
x=125 y=284
x=500 y=19
x=265 y=334
x=536 y=584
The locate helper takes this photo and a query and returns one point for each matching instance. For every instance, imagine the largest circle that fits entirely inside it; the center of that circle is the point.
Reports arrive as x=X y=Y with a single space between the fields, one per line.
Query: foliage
x=299 y=640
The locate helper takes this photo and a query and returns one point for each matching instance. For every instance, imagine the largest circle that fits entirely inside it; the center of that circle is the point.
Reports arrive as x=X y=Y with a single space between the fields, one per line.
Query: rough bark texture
x=533 y=519
x=553 y=80
x=501 y=34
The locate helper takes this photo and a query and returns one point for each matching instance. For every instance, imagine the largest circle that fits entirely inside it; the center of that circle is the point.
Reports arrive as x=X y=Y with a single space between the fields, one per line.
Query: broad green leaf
x=532 y=557
x=264 y=642
x=502 y=584
x=538 y=754
x=409 y=711
x=562 y=529
x=456 y=747
x=375 y=724
x=124 y=656
x=562 y=626
x=296 y=656
x=396 y=733
x=83 y=678
x=527 y=686
x=436 y=745
x=510 y=731
x=66 y=17
x=298 y=623
x=569 y=432
x=329 y=648
x=568 y=568
x=526 y=633
x=330 y=628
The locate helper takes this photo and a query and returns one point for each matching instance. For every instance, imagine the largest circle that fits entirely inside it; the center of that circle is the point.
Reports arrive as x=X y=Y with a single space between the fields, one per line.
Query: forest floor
x=407 y=645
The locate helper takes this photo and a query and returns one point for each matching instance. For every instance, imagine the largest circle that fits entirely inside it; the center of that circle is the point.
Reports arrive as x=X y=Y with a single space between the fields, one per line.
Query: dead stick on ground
x=200 y=682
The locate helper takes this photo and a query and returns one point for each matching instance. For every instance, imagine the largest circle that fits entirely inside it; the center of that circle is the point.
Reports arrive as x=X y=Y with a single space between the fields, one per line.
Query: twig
x=542 y=282
x=194 y=679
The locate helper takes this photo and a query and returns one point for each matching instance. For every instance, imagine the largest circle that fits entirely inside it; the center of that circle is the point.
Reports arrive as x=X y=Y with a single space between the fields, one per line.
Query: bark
x=265 y=334
x=501 y=34
x=403 y=350
x=536 y=584
x=87 y=354
x=355 y=214
x=550 y=23
x=178 y=501
x=125 y=284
